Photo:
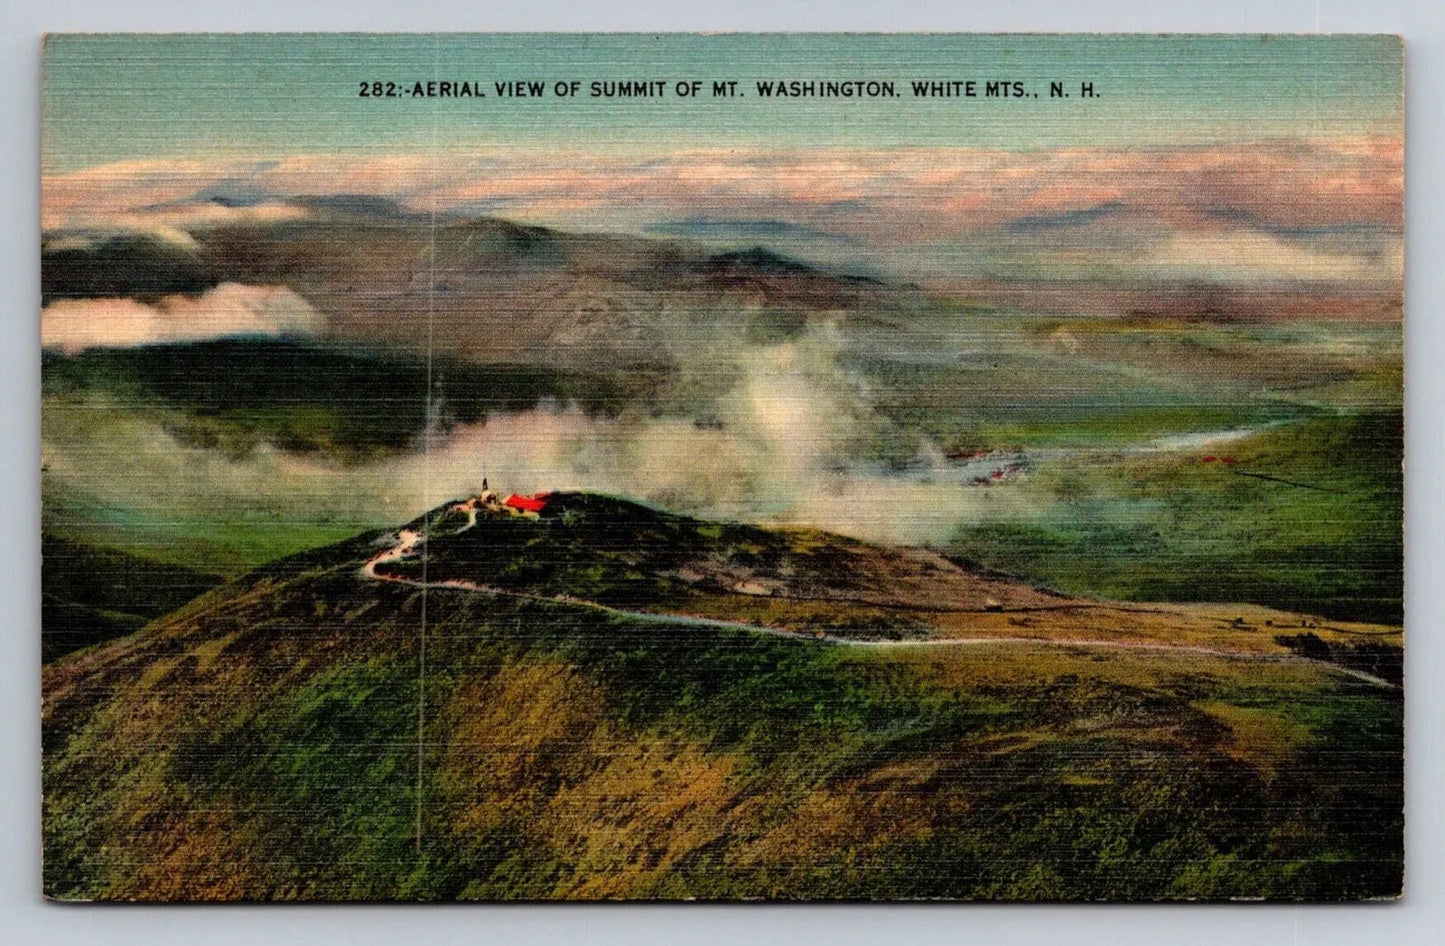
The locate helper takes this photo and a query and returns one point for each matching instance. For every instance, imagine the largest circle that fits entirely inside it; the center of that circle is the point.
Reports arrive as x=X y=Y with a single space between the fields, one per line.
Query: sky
x=1236 y=159
x=115 y=97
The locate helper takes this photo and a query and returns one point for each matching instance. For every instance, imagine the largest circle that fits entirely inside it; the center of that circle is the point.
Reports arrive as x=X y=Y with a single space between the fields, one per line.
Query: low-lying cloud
x=228 y=310
x=788 y=444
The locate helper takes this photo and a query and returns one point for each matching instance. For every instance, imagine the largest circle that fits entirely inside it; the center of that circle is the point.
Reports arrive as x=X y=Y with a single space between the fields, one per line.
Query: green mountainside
x=94 y=594
x=263 y=742
x=348 y=403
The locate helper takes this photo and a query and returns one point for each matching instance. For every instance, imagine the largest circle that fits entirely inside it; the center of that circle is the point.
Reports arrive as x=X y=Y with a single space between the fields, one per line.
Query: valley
x=818 y=586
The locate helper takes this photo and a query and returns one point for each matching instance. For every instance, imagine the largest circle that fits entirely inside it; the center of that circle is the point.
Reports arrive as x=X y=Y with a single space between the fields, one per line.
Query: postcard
x=722 y=467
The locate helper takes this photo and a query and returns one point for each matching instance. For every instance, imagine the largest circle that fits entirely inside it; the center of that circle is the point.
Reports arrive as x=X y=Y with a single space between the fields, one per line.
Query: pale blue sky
x=117 y=97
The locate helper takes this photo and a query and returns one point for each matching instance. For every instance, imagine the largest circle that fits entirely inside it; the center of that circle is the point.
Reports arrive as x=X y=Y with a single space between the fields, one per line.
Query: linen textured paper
x=774 y=466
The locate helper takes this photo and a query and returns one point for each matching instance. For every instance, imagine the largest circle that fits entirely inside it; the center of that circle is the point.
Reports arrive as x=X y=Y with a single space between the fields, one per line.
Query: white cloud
x=229 y=309
x=1242 y=255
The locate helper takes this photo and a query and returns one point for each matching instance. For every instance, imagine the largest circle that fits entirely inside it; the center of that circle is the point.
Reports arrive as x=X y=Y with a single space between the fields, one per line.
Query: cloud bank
x=1087 y=206
x=230 y=309
x=788 y=445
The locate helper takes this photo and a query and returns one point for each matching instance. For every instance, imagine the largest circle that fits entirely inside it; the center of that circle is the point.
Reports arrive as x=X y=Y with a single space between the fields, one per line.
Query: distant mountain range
x=488 y=289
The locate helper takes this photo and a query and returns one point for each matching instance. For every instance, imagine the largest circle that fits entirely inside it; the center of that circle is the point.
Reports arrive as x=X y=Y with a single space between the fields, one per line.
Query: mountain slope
x=348 y=403
x=262 y=743
x=497 y=291
x=94 y=594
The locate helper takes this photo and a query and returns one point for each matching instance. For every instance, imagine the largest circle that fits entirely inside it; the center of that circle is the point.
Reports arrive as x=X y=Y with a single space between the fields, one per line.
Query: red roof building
x=526 y=503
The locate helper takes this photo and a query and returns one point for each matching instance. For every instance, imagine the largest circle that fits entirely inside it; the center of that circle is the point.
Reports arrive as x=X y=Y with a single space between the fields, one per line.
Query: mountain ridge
x=261 y=743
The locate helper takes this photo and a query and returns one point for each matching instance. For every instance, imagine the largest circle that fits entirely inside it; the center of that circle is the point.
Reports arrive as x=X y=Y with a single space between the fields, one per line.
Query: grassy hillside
x=620 y=553
x=299 y=396
x=94 y=594
x=1305 y=517
x=262 y=744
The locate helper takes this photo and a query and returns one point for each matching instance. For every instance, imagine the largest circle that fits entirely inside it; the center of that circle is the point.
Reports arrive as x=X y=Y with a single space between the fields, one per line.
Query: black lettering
x=1003 y=90
x=952 y=88
x=629 y=89
x=827 y=89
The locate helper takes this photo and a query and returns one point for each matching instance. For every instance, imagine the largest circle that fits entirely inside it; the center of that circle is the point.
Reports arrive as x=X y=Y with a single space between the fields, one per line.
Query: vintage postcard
x=729 y=467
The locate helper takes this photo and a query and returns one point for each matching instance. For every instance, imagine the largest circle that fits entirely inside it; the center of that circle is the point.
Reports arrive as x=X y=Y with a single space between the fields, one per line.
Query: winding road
x=409 y=541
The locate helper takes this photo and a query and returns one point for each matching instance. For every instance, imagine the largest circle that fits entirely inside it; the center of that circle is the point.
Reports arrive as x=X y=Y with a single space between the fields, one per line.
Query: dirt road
x=410 y=541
